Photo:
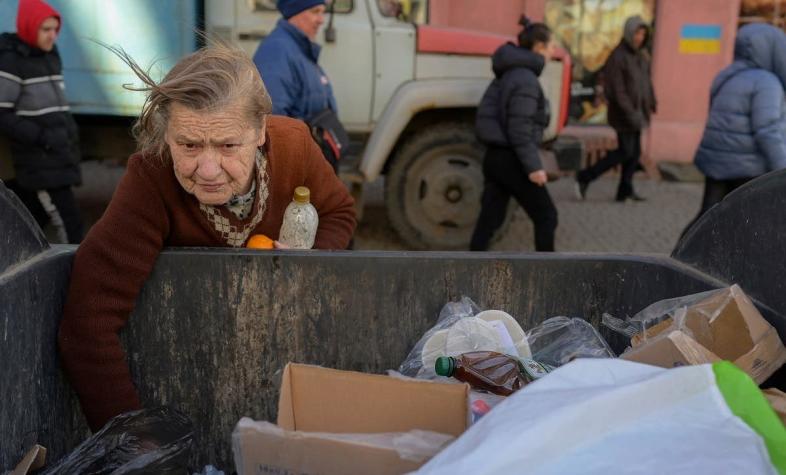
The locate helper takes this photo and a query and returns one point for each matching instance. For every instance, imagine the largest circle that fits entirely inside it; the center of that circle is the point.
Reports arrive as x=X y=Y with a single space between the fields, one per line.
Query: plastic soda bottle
x=491 y=371
x=301 y=220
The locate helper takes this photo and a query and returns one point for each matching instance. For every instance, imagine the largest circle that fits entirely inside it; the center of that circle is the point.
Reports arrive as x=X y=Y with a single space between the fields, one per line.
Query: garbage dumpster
x=213 y=328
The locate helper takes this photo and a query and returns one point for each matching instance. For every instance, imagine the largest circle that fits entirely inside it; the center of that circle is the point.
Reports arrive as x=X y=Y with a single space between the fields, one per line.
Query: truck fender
x=409 y=99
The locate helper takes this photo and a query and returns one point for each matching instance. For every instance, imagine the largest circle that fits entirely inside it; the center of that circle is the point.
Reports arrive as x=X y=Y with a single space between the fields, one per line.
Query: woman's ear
x=262 y=133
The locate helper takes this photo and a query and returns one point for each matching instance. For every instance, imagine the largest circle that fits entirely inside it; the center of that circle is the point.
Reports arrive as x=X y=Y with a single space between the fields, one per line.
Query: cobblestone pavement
x=596 y=225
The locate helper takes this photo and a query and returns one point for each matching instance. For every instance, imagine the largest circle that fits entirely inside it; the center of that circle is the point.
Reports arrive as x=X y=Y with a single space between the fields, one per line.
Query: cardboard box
x=317 y=400
x=777 y=399
x=724 y=326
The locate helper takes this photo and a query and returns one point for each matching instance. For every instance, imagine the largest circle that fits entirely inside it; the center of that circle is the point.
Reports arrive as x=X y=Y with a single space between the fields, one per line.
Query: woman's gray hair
x=209 y=79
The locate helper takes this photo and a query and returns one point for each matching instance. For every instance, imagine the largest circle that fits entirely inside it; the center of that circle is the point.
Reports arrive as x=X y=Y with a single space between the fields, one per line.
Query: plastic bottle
x=491 y=371
x=299 y=228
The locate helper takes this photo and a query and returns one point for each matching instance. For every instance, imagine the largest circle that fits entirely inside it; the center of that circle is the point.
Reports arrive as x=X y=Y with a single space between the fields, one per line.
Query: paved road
x=596 y=225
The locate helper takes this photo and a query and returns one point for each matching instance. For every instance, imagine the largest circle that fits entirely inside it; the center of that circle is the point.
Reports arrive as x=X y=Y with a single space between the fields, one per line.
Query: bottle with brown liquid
x=491 y=371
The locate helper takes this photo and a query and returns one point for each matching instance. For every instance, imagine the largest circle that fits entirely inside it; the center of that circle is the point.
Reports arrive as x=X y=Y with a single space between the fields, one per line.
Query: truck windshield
x=410 y=11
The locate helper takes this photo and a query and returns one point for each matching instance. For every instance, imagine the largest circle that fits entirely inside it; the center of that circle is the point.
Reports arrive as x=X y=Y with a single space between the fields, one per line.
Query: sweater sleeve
x=109 y=269
x=331 y=198
x=767 y=123
x=522 y=130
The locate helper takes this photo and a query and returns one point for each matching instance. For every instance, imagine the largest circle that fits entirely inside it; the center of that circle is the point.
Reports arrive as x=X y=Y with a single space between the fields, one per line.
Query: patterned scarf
x=233 y=235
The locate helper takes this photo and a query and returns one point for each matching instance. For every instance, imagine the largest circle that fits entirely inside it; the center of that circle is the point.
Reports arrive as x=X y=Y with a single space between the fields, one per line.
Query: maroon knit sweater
x=150 y=210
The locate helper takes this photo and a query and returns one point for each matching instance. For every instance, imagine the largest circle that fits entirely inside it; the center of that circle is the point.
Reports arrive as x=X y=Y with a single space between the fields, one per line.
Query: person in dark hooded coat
x=631 y=102
x=745 y=135
x=510 y=122
x=34 y=115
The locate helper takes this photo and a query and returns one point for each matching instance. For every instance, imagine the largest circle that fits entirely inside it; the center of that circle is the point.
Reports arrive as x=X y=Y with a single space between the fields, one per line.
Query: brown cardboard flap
x=758 y=326
x=651 y=332
x=730 y=336
x=34 y=459
x=316 y=399
x=670 y=351
x=766 y=357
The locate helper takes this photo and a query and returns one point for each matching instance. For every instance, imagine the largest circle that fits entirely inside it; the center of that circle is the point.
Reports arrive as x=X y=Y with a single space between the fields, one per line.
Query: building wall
x=682 y=80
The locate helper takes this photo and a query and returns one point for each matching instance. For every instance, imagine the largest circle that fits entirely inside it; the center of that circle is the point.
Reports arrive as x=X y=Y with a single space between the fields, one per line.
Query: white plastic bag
x=601 y=416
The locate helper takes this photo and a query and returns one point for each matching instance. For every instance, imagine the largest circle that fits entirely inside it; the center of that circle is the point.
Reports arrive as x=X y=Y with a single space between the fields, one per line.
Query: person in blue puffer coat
x=745 y=135
x=288 y=62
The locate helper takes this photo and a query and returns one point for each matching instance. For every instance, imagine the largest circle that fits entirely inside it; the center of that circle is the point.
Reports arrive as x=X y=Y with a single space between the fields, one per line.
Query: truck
x=406 y=92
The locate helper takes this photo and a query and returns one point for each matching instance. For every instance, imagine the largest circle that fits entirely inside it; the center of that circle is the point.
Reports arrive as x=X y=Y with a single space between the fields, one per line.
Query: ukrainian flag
x=700 y=39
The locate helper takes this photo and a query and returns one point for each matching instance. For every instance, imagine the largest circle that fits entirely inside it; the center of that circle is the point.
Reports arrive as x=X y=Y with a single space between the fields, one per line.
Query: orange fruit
x=259 y=241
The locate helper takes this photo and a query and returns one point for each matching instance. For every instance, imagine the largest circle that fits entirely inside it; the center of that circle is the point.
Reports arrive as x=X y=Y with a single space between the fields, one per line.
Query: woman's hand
x=278 y=245
x=539 y=177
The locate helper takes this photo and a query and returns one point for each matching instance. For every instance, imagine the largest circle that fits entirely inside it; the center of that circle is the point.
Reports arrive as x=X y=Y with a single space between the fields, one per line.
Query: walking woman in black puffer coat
x=510 y=122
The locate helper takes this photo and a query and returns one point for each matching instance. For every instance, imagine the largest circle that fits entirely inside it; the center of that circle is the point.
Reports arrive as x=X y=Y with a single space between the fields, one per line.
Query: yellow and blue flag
x=700 y=39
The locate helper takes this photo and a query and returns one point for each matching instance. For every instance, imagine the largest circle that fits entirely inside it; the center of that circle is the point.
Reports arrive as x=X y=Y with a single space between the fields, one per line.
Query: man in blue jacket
x=287 y=60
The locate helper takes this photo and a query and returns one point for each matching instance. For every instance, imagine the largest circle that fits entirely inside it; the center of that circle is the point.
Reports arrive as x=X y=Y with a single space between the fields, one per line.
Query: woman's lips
x=212 y=188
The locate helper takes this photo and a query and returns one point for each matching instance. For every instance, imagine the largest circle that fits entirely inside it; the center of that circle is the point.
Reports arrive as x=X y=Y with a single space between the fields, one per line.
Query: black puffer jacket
x=35 y=117
x=514 y=111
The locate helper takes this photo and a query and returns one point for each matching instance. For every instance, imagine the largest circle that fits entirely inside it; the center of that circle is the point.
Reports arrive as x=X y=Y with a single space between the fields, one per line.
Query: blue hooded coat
x=287 y=60
x=745 y=135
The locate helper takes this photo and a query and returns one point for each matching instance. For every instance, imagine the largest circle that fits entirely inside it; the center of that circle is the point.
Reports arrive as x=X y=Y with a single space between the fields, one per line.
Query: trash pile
x=553 y=398
x=479 y=394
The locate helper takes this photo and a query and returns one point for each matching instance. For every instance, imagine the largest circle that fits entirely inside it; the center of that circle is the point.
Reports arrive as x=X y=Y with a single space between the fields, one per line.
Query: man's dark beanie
x=290 y=8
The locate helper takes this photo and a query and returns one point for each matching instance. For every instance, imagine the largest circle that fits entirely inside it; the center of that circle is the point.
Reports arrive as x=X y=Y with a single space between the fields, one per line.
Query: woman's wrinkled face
x=213 y=152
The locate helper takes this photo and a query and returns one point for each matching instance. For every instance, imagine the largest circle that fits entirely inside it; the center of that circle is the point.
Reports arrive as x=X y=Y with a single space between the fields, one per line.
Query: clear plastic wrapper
x=560 y=340
x=415 y=445
x=461 y=328
x=149 y=441
x=705 y=305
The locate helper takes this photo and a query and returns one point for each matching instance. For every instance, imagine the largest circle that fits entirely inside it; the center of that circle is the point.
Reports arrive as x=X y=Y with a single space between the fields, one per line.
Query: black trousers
x=505 y=177
x=64 y=201
x=714 y=192
x=627 y=154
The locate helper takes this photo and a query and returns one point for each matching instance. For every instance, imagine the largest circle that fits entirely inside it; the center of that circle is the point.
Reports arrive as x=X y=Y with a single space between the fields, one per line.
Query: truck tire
x=433 y=188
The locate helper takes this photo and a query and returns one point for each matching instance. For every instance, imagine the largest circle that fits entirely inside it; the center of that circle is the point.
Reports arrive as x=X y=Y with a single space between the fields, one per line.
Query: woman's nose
x=209 y=165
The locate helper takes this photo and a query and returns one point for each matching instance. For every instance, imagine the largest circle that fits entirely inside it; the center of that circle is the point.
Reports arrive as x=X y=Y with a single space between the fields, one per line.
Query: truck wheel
x=433 y=188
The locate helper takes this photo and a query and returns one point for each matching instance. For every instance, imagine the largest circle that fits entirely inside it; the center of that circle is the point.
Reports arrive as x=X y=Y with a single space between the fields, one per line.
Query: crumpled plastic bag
x=560 y=340
x=461 y=328
x=149 y=441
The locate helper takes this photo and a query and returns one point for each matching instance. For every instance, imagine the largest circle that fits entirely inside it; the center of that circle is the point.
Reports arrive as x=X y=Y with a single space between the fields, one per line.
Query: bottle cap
x=445 y=366
x=302 y=194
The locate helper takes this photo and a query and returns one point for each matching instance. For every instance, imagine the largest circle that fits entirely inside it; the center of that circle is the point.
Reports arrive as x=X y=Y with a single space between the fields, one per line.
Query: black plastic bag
x=150 y=441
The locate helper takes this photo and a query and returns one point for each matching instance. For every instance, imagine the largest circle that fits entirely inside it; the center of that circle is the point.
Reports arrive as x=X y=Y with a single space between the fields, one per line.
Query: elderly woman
x=213 y=168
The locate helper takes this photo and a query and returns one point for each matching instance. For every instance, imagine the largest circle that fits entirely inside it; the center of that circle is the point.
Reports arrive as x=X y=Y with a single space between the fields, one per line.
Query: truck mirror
x=330 y=31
